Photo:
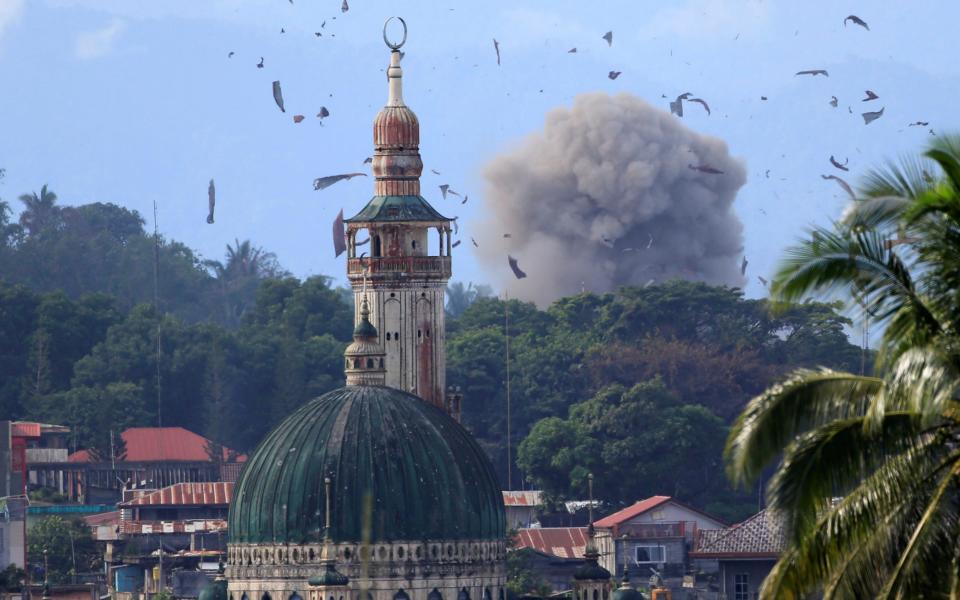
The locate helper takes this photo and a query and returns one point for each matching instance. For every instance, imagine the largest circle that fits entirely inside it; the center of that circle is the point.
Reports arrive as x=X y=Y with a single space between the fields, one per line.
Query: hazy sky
x=130 y=101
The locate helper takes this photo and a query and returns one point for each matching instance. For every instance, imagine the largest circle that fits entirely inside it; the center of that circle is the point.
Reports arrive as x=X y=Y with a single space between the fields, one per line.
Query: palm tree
x=40 y=212
x=869 y=476
x=240 y=277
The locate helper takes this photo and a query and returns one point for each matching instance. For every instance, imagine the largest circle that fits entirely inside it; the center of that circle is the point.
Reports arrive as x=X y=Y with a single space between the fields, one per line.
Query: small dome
x=626 y=591
x=217 y=590
x=329 y=578
x=425 y=474
x=591 y=570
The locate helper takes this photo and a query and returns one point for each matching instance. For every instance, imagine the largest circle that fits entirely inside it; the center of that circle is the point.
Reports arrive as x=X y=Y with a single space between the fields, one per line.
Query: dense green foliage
x=869 y=470
x=655 y=373
x=69 y=547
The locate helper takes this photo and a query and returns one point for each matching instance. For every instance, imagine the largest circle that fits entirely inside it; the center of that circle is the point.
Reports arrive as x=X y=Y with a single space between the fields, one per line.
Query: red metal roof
x=565 y=542
x=158 y=444
x=183 y=494
x=630 y=512
x=107 y=518
x=25 y=429
x=531 y=498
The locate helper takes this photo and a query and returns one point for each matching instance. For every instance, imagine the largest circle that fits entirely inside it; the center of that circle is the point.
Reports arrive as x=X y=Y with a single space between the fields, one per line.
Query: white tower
x=406 y=273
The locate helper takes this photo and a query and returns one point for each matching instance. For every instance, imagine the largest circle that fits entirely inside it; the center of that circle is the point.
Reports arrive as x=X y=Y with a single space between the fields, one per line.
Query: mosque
x=374 y=491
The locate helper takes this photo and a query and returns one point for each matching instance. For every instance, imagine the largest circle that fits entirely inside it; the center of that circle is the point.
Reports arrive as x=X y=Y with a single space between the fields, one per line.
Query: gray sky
x=129 y=101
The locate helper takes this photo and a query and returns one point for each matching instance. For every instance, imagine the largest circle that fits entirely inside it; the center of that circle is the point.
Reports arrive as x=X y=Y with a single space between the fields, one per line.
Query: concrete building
x=13 y=530
x=557 y=552
x=522 y=508
x=742 y=555
x=654 y=533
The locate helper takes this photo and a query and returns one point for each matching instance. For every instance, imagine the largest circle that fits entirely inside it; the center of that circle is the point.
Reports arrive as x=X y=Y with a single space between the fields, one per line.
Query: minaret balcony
x=436 y=266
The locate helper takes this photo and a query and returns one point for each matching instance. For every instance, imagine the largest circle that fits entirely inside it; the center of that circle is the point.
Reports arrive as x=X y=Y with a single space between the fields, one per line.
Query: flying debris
x=767 y=174
x=613 y=74
x=455 y=244
x=743 y=265
x=278 y=95
x=649 y=283
x=211 y=201
x=813 y=72
x=297 y=118
x=650 y=243
x=869 y=117
x=842 y=167
x=676 y=107
x=282 y=30
x=475 y=244
x=324 y=113
x=609 y=37
x=368 y=160
x=705 y=169
x=465 y=198
x=919 y=124
x=572 y=51
x=833 y=101
x=317 y=33
x=230 y=54
x=325 y=182
x=763 y=97
x=445 y=189
x=846 y=186
x=344 y=7
x=363 y=243
x=515 y=267
x=339 y=235
x=762 y=280
x=496 y=46
x=434 y=171
x=702 y=103
x=507 y=235
x=856 y=21
x=870 y=96
x=260 y=64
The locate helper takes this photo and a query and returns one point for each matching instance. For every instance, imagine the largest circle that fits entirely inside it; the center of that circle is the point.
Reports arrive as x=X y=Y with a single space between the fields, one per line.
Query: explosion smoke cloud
x=583 y=198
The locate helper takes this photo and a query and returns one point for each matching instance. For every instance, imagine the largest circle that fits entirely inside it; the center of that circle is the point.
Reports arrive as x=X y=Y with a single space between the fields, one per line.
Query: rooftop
x=398 y=208
x=163 y=444
x=761 y=536
x=525 y=498
x=565 y=542
x=186 y=494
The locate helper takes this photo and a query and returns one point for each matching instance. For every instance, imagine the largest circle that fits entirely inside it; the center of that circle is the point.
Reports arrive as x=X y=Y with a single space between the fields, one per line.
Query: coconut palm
x=240 y=276
x=40 y=211
x=869 y=476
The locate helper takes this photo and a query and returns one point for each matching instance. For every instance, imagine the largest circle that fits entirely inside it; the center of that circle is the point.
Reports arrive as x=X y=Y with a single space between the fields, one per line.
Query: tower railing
x=411 y=265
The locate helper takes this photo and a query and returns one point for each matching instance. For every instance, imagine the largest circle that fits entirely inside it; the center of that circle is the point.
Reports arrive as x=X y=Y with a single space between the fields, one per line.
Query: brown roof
x=529 y=498
x=184 y=494
x=634 y=510
x=760 y=536
x=156 y=444
x=565 y=542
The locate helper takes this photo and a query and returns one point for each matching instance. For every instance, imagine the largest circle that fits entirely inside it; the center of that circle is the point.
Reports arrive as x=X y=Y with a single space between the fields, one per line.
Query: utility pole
x=506 y=327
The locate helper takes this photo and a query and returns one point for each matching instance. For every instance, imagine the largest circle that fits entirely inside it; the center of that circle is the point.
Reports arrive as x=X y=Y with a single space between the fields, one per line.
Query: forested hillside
x=638 y=387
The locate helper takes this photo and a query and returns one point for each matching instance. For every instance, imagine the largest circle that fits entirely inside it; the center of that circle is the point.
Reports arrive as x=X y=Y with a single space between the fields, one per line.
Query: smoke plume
x=605 y=196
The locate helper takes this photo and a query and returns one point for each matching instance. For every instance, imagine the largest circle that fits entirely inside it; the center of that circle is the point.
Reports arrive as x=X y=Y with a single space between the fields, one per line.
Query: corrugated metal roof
x=763 y=534
x=525 y=498
x=156 y=444
x=25 y=429
x=182 y=494
x=632 y=511
x=565 y=542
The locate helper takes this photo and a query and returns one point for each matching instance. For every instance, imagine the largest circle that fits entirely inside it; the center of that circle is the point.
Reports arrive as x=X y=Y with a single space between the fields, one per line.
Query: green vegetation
x=69 y=547
x=655 y=373
x=869 y=479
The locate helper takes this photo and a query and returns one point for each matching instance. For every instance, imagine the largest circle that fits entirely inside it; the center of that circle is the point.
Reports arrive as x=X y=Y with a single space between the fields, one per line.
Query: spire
x=330 y=577
x=396 y=133
x=364 y=358
x=591 y=569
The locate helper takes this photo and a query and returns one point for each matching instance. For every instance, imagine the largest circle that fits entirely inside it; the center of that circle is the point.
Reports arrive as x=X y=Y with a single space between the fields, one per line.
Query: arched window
x=295 y=596
x=401 y=595
x=435 y=595
x=265 y=596
x=377 y=246
x=388 y=336
x=414 y=243
x=369 y=363
x=500 y=595
x=596 y=595
x=486 y=594
x=244 y=596
x=463 y=594
x=604 y=593
x=396 y=335
x=381 y=363
x=356 y=363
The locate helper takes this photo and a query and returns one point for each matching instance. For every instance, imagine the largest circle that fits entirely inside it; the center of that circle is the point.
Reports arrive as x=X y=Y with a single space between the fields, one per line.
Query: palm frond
x=922 y=380
x=772 y=420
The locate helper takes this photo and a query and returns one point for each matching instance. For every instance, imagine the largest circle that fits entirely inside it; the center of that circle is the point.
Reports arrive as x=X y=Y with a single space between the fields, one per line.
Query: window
x=377 y=246
x=650 y=554
x=388 y=336
x=369 y=363
x=435 y=595
x=295 y=596
x=741 y=586
x=463 y=595
x=414 y=242
x=401 y=595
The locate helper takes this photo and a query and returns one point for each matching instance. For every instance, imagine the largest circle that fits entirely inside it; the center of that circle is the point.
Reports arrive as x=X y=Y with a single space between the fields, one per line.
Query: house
x=521 y=508
x=149 y=457
x=654 y=533
x=553 y=552
x=187 y=520
x=741 y=555
x=29 y=455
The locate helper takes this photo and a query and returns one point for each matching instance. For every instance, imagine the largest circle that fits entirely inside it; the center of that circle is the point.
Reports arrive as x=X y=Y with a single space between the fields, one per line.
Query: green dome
x=330 y=578
x=426 y=476
x=215 y=591
x=365 y=329
x=626 y=593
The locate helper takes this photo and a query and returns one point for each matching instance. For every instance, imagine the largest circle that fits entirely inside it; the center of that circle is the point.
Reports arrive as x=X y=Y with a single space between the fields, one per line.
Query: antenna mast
x=506 y=327
x=156 y=306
